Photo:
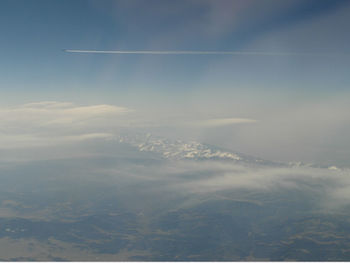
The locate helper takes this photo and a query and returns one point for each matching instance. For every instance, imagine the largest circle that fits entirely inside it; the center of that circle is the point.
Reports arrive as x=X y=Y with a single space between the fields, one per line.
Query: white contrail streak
x=181 y=52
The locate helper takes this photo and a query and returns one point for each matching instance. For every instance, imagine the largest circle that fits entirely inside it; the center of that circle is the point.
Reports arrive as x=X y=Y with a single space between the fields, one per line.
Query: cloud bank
x=51 y=122
x=327 y=190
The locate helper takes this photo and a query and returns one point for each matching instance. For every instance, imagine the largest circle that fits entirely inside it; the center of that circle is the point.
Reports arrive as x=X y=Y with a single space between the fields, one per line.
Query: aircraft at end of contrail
x=189 y=52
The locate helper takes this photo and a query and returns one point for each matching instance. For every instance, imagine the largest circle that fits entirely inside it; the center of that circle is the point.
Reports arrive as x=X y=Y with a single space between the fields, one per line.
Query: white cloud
x=223 y=122
x=50 y=122
x=329 y=190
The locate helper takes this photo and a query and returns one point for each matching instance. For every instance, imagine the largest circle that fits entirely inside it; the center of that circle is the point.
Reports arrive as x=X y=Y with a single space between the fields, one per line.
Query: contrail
x=182 y=52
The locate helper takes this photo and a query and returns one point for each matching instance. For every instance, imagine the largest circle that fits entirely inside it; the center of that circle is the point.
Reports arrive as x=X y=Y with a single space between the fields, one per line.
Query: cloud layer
x=223 y=122
x=50 y=122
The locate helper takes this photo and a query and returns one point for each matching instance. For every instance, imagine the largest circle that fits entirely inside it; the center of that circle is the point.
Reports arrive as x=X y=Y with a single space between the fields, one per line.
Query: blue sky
x=35 y=32
x=34 y=68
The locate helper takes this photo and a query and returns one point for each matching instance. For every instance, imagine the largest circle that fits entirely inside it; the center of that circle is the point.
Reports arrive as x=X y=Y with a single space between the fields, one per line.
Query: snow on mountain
x=193 y=150
x=177 y=149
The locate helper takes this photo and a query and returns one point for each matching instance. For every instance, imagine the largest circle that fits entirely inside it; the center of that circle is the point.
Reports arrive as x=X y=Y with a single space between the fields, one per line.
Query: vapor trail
x=181 y=52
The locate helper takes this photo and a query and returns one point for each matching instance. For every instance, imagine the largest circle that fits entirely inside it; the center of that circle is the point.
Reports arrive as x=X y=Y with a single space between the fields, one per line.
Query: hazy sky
x=292 y=98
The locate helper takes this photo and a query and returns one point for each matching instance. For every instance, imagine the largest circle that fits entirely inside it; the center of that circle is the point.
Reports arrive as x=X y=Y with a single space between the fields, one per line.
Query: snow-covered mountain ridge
x=177 y=149
x=193 y=150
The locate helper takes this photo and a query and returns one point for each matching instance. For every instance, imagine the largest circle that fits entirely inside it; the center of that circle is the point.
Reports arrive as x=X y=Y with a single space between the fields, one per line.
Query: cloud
x=48 y=104
x=223 y=122
x=37 y=125
x=328 y=190
x=51 y=122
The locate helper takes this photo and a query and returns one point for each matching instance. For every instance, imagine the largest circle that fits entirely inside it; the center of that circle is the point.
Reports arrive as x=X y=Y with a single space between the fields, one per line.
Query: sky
x=287 y=101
